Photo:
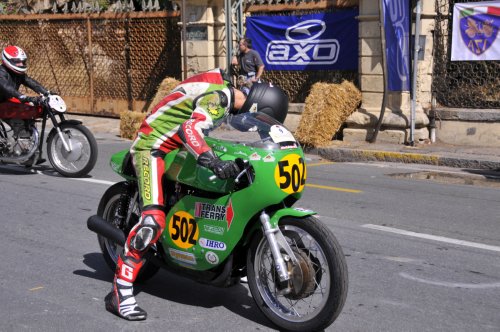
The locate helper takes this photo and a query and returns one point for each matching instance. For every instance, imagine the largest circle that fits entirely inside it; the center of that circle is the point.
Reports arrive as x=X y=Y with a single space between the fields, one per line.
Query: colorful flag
x=397 y=41
x=475 y=31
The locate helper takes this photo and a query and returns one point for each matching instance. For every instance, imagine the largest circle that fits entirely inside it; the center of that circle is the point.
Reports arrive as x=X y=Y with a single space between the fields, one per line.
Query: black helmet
x=267 y=98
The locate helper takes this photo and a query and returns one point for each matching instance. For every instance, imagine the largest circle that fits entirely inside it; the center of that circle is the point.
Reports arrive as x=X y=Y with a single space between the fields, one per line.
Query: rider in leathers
x=13 y=74
x=200 y=102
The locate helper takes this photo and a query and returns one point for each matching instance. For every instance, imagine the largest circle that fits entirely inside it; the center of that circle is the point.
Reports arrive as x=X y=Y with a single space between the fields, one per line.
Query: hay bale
x=326 y=108
x=166 y=86
x=130 y=122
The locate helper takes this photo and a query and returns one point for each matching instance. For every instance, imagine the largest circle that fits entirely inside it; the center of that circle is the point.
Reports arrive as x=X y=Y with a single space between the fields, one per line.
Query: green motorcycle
x=219 y=231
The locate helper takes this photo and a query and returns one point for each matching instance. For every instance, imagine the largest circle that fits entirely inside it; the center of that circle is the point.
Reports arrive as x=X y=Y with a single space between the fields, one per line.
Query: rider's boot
x=121 y=300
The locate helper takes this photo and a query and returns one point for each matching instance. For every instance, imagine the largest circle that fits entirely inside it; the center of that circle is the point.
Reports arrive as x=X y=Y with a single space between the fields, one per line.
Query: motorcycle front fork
x=67 y=145
x=277 y=243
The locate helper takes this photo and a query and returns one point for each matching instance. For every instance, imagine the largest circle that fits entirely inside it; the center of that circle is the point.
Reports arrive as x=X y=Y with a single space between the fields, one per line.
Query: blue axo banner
x=397 y=26
x=323 y=41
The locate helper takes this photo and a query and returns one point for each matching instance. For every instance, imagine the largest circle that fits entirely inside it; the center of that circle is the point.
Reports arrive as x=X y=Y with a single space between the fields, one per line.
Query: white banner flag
x=475 y=31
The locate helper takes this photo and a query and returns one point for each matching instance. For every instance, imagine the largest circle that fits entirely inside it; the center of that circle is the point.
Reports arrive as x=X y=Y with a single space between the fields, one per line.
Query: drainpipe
x=415 y=72
x=432 y=120
x=373 y=139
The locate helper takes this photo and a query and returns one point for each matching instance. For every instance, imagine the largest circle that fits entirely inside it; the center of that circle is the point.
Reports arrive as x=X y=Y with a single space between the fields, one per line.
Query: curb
x=351 y=155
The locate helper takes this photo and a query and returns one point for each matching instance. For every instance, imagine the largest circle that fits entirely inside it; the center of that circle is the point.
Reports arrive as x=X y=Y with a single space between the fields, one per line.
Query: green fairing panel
x=201 y=231
x=290 y=212
x=117 y=163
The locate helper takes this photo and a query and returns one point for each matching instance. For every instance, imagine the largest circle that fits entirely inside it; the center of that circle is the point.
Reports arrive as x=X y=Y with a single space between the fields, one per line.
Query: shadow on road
x=171 y=287
x=100 y=271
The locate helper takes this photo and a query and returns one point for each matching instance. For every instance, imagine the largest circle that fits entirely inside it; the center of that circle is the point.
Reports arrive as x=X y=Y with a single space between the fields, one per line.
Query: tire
x=107 y=209
x=81 y=160
x=319 y=282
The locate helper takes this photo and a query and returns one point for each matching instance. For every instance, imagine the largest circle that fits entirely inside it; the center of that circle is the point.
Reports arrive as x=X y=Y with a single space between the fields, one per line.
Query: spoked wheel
x=82 y=156
x=316 y=292
x=108 y=208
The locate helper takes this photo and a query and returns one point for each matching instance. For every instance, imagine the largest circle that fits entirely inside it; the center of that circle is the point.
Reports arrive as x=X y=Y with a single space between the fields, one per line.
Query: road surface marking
x=354 y=191
x=36 y=288
x=451 y=284
x=320 y=163
x=95 y=181
x=433 y=237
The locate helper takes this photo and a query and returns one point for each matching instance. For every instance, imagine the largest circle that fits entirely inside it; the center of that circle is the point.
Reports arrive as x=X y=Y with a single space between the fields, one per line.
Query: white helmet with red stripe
x=15 y=59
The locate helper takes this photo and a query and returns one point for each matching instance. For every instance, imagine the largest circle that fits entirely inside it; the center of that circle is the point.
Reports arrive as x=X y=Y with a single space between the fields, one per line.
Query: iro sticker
x=211 y=244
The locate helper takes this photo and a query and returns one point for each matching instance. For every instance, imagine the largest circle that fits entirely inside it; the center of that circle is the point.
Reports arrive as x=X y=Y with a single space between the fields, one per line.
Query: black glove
x=224 y=169
x=34 y=100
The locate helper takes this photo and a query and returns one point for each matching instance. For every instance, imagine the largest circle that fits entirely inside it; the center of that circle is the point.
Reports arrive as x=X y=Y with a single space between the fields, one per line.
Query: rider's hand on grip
x=34 y=100
x=224 y=169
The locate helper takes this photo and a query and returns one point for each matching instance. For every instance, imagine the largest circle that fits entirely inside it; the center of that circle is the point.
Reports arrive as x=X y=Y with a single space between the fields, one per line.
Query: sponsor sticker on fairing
x=214 y=229
x=182 y=256
x=212 y=244
x=254 y=156
x=280 y=134
x=212 y=257
x=210 y=211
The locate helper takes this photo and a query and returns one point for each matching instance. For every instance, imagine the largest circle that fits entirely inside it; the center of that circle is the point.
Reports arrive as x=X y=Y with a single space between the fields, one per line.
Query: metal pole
x=415 y=72
x=184 y=43
x=373 y=139
x=229 y=32
x=91 y=65
x=237 y=10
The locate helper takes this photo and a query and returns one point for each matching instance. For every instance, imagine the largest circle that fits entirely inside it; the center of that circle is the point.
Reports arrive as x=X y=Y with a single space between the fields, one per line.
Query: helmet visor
x=18 y=62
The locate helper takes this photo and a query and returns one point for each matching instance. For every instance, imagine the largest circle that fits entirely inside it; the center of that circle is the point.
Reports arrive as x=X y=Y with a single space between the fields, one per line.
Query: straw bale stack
x=326 y=108
x=166 y=86
x=130 y=122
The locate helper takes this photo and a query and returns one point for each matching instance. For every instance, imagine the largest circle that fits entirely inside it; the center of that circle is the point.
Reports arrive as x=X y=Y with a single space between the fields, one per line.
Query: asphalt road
x=434 y=265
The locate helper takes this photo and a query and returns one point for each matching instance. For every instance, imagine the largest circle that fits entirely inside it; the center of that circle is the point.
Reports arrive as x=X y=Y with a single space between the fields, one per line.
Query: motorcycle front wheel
x=315 y=294
x=108 y=210
x=81 y=158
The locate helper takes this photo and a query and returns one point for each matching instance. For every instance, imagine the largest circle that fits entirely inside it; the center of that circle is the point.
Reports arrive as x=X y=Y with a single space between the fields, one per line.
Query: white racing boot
x=121 y=301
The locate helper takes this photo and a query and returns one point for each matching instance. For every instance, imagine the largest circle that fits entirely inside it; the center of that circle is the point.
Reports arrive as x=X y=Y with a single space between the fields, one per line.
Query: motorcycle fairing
x=222 y=205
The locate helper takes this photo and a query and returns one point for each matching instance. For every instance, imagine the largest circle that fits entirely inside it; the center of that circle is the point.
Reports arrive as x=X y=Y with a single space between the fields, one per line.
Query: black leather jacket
x=9 y=84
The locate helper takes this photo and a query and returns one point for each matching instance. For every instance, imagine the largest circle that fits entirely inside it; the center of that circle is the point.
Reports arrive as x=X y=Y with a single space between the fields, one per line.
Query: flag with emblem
x=475 y=31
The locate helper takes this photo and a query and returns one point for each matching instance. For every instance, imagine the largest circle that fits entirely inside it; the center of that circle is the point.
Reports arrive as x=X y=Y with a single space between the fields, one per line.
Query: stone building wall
x=397 y=114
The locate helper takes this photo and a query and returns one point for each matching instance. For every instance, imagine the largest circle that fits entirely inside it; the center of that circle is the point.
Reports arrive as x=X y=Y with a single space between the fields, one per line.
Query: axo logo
x=303 y=46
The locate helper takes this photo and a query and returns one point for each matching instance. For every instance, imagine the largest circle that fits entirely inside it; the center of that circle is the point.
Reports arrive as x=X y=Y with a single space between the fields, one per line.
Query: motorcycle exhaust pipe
x=100 y=226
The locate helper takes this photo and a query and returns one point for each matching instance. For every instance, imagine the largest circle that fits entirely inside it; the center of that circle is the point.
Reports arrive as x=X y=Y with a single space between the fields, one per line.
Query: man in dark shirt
x=250 y=64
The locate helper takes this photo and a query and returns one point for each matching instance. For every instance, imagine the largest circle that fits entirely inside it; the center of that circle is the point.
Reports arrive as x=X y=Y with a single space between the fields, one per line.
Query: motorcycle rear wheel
x=83 y=156
x=110 y=250
x=318 y=288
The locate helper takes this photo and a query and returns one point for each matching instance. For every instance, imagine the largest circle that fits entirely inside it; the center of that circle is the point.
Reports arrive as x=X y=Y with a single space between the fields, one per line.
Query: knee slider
x=146 y=233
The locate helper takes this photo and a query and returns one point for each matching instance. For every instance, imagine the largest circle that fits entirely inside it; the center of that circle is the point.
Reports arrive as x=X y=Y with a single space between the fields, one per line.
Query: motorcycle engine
x=15 y=138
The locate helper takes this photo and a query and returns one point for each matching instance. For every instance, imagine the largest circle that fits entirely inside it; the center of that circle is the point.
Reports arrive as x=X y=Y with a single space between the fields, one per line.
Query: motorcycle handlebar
x=244 y=166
